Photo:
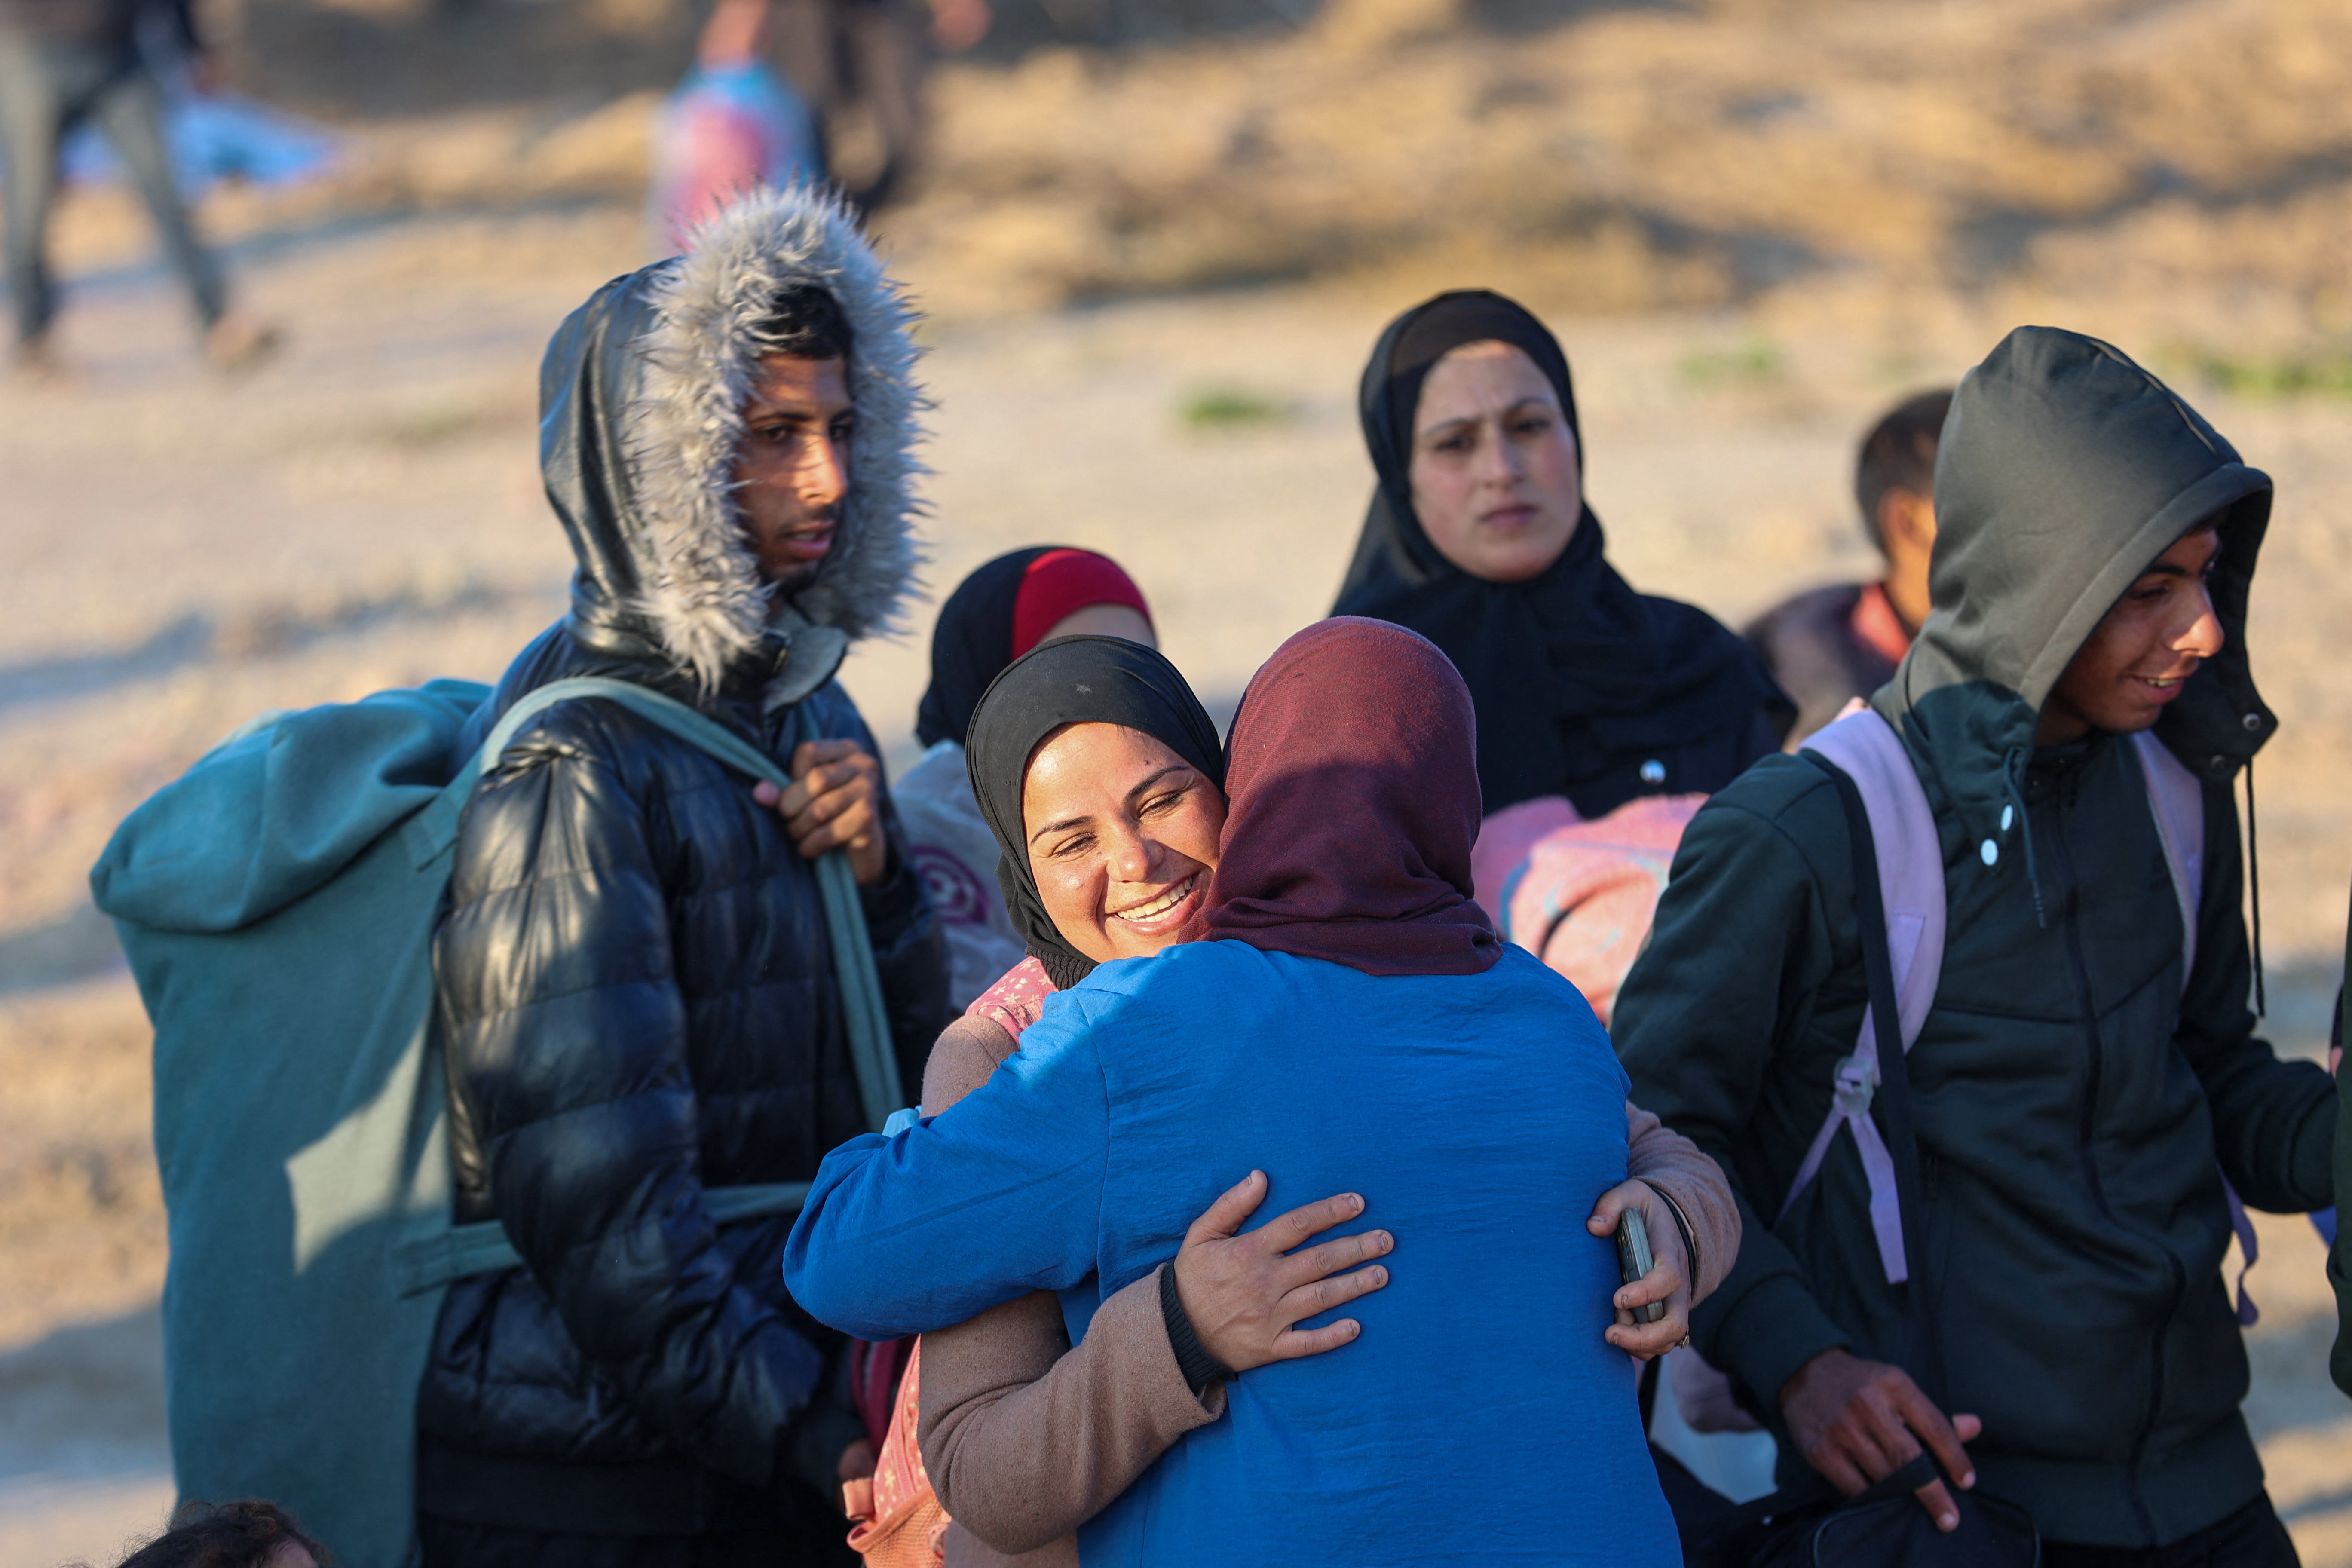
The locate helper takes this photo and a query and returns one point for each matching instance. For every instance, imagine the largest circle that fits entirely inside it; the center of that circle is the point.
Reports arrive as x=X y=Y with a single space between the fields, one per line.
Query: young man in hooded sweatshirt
x=636 y=984
x=2087 y=1074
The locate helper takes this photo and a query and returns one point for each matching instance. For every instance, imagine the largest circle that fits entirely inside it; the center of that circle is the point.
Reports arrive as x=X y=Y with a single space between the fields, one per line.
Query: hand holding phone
x=1633 y=1261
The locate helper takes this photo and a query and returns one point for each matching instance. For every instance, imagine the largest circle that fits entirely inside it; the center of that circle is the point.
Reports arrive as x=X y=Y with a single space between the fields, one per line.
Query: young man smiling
x=637 y=992
x=2087 y=1076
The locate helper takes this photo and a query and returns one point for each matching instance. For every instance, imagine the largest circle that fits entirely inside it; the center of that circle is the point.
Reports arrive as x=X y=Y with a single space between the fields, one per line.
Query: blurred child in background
x=1828 y=646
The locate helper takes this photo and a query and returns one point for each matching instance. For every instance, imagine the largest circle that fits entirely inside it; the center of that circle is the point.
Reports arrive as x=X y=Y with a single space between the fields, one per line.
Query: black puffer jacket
x=636 y=995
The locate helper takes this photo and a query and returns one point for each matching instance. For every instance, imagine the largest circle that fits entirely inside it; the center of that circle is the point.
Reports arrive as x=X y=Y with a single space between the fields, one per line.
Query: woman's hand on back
x=1246 y=1292
x=1668 y=1279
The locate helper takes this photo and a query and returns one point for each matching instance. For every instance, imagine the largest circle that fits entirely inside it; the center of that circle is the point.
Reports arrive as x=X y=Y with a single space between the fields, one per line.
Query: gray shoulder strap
x=2177 y=801
x=434 y=831
x=1866 y=749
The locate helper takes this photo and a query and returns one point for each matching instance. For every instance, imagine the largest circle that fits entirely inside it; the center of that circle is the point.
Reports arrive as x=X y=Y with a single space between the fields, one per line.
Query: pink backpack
x=1580 y=895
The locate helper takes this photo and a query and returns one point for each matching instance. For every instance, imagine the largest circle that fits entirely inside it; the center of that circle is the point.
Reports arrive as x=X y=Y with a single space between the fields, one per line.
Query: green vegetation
x=2320 y=373
x=433 y=424
x=1753 y=361
x=1232 y=408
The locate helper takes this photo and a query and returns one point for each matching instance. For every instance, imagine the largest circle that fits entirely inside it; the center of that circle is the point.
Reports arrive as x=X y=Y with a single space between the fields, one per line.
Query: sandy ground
x=1775 y=207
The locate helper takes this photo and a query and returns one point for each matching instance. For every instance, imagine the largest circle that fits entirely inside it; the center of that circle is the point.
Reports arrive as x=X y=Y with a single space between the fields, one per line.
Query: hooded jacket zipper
x=2070 y=912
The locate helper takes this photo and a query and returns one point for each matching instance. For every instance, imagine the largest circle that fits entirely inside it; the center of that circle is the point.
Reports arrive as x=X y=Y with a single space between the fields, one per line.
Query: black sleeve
x=566 y=1036
x=2339 y=1257
x=2273 y=1122
x=1739 y=943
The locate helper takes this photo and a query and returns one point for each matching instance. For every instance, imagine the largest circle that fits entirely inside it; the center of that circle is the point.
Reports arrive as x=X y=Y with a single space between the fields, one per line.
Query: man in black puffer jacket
x=636 y=984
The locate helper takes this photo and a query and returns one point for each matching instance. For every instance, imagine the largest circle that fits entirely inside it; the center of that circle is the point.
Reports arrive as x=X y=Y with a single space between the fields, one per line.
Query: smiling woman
x=1102 y=846
x=1122 y=832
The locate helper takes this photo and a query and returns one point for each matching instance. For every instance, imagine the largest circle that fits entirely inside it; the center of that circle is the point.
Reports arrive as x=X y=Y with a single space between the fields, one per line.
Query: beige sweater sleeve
x=1023 y=1437
x=1677 y=1167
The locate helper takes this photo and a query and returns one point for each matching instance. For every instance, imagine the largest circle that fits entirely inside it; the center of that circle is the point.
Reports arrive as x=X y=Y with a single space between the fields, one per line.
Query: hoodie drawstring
x=2013 y=775
x=2254 y=887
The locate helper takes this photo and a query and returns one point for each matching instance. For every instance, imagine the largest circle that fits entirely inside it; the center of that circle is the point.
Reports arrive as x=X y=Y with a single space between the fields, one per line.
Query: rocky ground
x=1155 y=262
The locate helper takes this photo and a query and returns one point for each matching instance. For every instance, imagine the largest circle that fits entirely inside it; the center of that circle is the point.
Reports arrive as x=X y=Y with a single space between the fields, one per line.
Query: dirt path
x=182 y=553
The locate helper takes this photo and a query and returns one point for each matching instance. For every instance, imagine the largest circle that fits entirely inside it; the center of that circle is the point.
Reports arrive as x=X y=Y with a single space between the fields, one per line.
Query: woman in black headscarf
x=1478 y=538
x=1002 y=611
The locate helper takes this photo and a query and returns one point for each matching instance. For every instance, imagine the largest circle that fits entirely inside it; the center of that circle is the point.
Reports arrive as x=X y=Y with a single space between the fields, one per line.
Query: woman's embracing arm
x=1000 y=1196
x=1025 y=1438
x=1023 y=1442
x=1694 y=1184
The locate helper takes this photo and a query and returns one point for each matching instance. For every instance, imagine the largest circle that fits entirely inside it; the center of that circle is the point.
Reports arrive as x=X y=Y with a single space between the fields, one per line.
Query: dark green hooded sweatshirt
x=2077 y=1106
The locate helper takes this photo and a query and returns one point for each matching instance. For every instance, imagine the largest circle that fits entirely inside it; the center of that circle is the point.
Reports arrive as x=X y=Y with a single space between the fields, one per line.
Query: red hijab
x=1353 y=776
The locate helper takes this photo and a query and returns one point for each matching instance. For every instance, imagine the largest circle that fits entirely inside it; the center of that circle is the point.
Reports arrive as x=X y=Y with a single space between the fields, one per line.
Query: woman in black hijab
x=1002 y=611
x=1078 y=680
x=1478 y=538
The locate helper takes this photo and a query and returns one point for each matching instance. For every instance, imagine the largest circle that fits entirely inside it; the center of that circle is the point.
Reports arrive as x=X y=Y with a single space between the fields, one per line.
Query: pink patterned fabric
x=1505 y=840
x=1013 y=1003
x=1582 y=897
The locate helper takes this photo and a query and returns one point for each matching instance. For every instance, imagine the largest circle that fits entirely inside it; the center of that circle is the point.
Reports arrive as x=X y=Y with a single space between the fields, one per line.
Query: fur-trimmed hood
x=641 y=397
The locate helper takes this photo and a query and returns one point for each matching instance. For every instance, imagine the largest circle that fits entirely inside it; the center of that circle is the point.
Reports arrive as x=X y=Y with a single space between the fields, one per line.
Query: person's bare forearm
x=1683 y=1173
x=1023 y=1447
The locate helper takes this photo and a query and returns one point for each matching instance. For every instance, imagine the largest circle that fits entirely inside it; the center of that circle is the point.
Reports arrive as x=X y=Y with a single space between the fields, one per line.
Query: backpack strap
x=433 y=832
x=1863 y=755
x=1926 y=1360
x=2177 y=800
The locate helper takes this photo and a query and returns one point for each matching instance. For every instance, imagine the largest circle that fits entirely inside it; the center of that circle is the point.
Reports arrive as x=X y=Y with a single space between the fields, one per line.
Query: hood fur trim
x=702 y=589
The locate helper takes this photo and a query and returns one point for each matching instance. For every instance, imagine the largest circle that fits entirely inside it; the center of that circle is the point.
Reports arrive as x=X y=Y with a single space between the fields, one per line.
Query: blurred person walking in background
x=1828 y=646
x=730 y=129
x=636 y=993
x=1003 y=610
x=65 y=62
x=861 y=63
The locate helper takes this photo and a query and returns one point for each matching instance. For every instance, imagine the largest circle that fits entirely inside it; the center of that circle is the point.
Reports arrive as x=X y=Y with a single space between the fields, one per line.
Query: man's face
x=2149 y=646
x=792 y=472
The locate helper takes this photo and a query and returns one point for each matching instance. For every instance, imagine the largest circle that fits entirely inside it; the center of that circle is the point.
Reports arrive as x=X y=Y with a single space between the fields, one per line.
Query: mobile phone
x=1633 y=1261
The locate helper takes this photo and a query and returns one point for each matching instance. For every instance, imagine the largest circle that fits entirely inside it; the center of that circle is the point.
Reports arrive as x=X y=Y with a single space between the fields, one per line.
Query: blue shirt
x=1480 y=1418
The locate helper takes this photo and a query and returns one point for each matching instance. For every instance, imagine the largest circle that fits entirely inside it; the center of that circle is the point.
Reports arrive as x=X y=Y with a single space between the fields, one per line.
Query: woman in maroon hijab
x=1352 y=1008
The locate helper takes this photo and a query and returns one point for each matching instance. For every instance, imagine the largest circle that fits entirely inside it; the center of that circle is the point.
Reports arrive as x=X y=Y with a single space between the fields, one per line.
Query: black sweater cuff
x=1683 y=1226
x=1200 y=1368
